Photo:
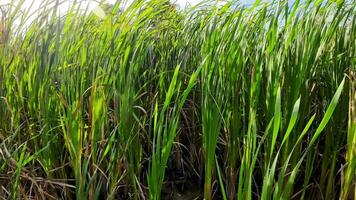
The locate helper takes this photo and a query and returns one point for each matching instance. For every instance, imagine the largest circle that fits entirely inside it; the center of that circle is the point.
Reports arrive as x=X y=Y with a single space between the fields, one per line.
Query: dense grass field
x=151 y=101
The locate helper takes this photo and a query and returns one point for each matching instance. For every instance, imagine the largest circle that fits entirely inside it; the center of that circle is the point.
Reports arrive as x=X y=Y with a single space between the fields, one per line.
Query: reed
x=152 y=101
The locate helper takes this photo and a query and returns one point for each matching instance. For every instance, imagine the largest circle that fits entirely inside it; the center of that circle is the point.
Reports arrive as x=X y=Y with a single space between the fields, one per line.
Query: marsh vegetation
x=215 y=101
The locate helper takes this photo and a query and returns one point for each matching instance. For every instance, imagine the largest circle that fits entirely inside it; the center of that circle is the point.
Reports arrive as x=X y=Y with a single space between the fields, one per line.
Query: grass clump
x=152 y=101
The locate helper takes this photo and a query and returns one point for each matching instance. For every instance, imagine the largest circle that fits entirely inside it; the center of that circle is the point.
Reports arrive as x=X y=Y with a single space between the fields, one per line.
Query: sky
x=92 y=4
x=33 y=5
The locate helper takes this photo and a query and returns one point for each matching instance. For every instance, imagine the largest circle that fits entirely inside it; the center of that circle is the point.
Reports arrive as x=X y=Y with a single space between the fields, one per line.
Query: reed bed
x=149 y=101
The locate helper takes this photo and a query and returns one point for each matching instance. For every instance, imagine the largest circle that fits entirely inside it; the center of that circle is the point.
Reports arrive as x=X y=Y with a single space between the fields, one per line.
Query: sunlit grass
x=215 y=101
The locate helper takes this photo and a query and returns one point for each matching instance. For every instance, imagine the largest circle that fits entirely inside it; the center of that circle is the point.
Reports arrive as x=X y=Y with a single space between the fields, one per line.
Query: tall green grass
x=152 y=101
